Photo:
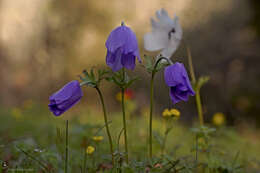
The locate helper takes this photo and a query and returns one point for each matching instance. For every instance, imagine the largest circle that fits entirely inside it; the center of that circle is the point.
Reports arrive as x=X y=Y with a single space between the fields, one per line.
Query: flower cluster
x=171 y=113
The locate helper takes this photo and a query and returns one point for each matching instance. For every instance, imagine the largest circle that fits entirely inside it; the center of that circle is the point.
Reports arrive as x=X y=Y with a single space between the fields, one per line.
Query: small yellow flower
x=218 y=119
x=98 y=138
x=166 y=113
x=90 y=150
x=175 y=112
x=171 y=112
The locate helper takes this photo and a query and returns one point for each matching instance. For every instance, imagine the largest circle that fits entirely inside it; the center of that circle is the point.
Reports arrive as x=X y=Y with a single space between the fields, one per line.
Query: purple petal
x=136 y=54
x=122 y=37
x=128 y=61
x=174 y=98
x=113 y=60
x=173 y=74
x=177 y=79
x=65 y=98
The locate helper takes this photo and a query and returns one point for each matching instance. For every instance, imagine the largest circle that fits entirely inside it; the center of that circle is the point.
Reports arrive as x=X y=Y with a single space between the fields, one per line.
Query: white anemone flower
x=166 y=34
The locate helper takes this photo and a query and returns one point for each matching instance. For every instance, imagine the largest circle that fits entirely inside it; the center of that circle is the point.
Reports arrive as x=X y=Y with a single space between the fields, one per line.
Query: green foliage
x=154 y=66
x=121 y=79
x=92 y=80
x=37 y=142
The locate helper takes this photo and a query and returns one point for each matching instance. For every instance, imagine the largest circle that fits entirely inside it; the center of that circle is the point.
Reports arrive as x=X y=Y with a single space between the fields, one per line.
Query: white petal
x=178 y=29
x=155 y=40
x=171 y=48
x=164 y=21
x=163 y=17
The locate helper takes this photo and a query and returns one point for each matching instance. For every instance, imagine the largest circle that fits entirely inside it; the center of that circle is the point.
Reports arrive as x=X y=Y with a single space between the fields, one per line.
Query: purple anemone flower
x=65 y=98
x=122 y=49
x=177 y=79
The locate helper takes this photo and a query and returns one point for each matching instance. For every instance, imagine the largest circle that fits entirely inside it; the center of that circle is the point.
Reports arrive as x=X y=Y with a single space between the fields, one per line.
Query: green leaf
x=86 y=76
x=114 y=80
x=129 y=83
x=92 y=75
x=109 y=79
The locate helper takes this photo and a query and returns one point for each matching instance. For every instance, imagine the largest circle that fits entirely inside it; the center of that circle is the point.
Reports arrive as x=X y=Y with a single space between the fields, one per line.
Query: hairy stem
x=124 y=117
x=151 y=117
x=106 y=124
x=124 y=123
x=151 y=104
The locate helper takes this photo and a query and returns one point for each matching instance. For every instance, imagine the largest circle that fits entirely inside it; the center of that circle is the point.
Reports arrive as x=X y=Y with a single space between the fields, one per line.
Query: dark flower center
x=171 y=31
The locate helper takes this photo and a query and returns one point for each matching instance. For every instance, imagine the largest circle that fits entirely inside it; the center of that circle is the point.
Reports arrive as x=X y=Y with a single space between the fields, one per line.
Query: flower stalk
x=124 y=117
x=85 y=161
x=106 y=124
x=151 y=117
x=164 y=140
x=151 y=103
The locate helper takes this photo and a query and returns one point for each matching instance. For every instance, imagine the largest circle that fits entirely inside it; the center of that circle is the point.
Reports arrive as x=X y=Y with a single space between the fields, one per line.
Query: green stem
x=118 y=139
x=164 y=142
x=106 y=124
x=199 y=107
x=124 y=123
x=151 y=104
x=197 y=95
x=124 y=116
x=151 y=117
x=67 y=148
x=85 y=161
x=196 y=156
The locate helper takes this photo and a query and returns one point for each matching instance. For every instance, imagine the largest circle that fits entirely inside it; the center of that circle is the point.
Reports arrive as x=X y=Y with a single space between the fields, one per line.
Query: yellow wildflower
x=166 y=113
x=171 y=112
x=90 y=150
x=175 y=112
x=218 y=119
x=98 y=138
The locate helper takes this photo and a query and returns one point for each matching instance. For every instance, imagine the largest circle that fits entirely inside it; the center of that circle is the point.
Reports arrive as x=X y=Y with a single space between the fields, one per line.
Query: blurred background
x=45 y=44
